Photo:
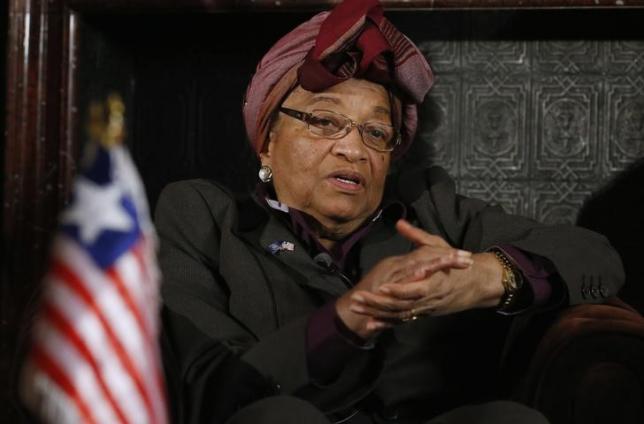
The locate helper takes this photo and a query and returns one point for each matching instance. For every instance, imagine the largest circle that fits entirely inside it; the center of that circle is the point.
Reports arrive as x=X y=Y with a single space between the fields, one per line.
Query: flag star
x=95 y=209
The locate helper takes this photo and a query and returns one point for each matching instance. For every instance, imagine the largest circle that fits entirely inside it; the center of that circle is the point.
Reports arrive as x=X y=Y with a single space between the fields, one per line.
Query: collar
x=302 y=224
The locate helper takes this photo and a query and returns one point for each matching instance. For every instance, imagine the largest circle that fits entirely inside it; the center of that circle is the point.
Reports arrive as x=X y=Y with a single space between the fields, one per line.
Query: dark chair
x=589 y=367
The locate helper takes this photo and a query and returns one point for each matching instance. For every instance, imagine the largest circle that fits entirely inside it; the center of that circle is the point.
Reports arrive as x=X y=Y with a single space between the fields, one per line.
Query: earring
x=265 y=174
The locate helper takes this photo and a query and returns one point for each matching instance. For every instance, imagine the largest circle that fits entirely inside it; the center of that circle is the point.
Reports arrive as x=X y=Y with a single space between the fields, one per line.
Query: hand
x=438 y=292
x=395 y=270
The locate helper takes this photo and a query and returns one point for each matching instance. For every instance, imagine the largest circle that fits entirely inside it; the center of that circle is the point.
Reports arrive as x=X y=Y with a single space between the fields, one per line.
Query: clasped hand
x=433 y=279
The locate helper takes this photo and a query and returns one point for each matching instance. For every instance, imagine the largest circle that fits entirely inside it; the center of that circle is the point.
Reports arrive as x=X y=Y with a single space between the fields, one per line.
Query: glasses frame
x=306 y=118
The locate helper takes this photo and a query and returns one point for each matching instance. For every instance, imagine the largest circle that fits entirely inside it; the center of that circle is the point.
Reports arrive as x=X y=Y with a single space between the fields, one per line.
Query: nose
x=351 y=146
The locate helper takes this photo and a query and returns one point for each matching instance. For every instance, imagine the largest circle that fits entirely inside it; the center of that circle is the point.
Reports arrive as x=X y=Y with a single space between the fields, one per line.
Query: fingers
x=454 y=259
x=379 y=314
x=380 y=302
x=418 y=270
x=411 y=292
x=418 y=236
x=375 y=325
x=360 y=324
x=388 y=311
x=427 y=290
x=423 y=238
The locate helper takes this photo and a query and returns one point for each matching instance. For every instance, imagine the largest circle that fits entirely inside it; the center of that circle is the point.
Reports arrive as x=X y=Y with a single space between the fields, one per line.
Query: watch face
x=512 y=281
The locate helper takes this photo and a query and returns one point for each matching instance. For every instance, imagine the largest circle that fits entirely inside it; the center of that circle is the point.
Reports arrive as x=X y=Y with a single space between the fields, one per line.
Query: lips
x=348 y=179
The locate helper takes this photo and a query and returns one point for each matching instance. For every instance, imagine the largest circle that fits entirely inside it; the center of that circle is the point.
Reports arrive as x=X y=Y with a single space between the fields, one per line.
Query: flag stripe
x=66 y=275
x=89 y=327
x=107 y=299
x=151 y=294
x=65 y=328
x=139 y=283
x=50 y=368
x=147 y=286
x=79 y=373
x=120 y=285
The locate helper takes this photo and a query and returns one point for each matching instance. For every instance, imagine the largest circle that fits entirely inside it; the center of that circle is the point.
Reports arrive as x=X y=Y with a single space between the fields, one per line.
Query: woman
x=338 y=292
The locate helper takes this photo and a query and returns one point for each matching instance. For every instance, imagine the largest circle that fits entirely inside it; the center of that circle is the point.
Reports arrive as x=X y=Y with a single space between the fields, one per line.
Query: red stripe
x=67 y=276
x=146 y=281
x=138 y=250
x=64 y=327
x=129 y=302
x=49 y=367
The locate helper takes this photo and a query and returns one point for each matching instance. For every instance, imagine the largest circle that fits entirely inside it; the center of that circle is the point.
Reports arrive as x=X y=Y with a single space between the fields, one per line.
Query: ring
x=411 y=317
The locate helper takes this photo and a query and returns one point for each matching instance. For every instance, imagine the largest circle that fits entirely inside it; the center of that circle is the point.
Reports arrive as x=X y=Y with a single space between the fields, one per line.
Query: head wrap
x=354 y=40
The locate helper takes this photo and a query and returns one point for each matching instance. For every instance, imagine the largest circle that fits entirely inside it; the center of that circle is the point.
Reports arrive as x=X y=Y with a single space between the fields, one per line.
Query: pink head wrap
x=354 y=40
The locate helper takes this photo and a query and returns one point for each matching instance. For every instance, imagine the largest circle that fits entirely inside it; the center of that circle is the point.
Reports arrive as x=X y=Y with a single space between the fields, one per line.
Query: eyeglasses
x=333 y=125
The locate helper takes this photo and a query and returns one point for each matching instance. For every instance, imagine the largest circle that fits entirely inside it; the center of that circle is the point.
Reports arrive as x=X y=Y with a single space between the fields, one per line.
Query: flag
x=94 y=356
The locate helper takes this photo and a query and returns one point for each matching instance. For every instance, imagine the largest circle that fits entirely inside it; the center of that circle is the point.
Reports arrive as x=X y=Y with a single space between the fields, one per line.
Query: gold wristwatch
x=511 y=279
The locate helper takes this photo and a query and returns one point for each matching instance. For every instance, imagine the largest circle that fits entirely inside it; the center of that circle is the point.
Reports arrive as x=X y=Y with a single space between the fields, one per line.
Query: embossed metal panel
x=535 y=125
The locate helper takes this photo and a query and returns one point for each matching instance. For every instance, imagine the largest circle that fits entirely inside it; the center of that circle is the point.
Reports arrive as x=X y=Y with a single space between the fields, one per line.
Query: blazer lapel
x=313 y=274
x=264 y=233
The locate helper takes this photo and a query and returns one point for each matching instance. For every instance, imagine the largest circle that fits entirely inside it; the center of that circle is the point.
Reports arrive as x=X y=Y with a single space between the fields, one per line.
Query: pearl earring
x=265 y=174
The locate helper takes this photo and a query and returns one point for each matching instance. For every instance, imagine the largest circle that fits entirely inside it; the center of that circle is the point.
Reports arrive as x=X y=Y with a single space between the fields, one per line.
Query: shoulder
x=423 y=184
x=193 y=202
x=194 y=192
x=431 y=198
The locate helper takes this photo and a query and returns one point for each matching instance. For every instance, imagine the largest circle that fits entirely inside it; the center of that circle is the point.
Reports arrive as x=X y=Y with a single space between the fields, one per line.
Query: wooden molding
x=315 y=5
x=38 y=158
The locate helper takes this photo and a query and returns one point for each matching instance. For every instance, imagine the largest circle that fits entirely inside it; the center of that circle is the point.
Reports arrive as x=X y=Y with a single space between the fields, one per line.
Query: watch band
x=511 y=279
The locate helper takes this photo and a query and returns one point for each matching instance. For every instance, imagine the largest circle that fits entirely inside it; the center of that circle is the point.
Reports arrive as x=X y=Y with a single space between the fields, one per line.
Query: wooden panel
x=37 y=151
x=314 y=5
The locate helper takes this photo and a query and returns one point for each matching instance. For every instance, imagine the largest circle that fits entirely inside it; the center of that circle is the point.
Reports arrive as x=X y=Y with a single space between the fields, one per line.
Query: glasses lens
x=379 y=136
x=327 y=123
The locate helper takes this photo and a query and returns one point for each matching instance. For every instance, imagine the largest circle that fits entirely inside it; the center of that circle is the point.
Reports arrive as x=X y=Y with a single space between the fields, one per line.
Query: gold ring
x=411 y=317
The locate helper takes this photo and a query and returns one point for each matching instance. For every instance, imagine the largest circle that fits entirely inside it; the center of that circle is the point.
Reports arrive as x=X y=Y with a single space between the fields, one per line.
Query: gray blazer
x=235 y=315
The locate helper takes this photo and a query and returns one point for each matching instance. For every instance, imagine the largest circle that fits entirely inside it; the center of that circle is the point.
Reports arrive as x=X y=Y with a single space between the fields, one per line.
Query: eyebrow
x=335 y=101
x=319 y=98
x=380 y=109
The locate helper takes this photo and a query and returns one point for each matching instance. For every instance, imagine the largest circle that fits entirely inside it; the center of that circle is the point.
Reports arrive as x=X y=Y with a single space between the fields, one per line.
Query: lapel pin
x=281 y=246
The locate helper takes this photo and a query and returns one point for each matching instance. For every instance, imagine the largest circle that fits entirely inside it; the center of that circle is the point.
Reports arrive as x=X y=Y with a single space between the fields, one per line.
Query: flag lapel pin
x=280 y=246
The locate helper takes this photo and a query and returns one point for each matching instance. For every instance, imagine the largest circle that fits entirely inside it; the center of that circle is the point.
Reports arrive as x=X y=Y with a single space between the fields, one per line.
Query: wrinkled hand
x=437 y=291
x=367 y=310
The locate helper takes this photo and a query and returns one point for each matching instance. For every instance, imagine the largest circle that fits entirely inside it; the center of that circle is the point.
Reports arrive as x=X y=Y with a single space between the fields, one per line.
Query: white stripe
x=43 y=396
x=127 y=267
x=128 y=180
x=91 y=331
x=108 y=300
x=76 y=369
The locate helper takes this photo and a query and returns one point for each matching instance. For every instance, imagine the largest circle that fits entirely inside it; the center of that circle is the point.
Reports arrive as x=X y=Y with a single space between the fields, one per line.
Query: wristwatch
x=511 y=279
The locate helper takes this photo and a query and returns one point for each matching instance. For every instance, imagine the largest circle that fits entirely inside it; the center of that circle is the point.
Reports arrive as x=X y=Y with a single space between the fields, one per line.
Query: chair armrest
x=589 y=366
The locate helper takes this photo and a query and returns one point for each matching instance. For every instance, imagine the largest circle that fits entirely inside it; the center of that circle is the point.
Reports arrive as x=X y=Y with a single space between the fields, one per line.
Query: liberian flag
x=94 y=356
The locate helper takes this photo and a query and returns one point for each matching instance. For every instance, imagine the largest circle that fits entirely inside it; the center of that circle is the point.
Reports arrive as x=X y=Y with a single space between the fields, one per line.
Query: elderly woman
x=338 y=292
